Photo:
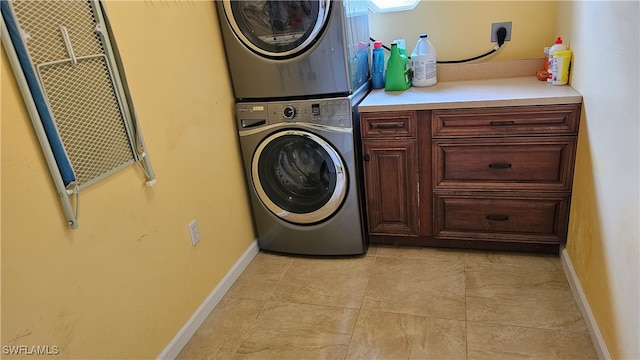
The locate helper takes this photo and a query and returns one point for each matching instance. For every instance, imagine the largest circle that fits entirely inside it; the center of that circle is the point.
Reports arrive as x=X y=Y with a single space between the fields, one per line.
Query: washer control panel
x=330 y=112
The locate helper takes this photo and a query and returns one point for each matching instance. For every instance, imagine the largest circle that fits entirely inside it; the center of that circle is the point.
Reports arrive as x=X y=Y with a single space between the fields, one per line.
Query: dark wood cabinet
x=492 y=178
x=391 y=172
x=504 y=174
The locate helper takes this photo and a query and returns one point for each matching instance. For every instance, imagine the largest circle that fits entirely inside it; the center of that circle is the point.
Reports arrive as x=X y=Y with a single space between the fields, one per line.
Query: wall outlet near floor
x=194 y=232
x=496 y=26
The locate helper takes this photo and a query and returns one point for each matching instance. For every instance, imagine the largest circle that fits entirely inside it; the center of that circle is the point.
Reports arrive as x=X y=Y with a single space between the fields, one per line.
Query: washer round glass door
x=277 y=29
x=299 y=176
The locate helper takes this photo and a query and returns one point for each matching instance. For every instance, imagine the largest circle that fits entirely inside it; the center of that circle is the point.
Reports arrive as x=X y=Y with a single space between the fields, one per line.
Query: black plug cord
x=495 y=48
x=501 y=33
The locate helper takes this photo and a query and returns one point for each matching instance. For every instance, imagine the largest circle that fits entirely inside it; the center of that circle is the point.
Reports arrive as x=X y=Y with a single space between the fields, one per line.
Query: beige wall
x=462 y=29
x=124 y=283
x=604 y=227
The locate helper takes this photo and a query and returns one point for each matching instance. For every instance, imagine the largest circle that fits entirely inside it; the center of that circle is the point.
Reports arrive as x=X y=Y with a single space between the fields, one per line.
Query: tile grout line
x=270 y=298
x=466 y=313
x=359 y=309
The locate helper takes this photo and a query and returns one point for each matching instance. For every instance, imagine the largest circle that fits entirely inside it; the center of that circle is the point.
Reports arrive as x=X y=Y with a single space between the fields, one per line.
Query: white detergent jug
x=423 y=60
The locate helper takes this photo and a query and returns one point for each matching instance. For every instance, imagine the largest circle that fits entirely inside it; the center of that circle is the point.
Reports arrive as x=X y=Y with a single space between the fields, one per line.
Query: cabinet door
x=391 y=186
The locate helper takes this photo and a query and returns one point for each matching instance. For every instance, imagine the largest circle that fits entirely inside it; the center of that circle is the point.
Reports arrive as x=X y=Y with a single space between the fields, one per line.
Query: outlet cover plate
x=496 y=26
x=194 y=232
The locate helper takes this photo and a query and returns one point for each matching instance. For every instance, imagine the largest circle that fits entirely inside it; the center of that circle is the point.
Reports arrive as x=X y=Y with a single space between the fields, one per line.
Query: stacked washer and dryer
x=299 y=70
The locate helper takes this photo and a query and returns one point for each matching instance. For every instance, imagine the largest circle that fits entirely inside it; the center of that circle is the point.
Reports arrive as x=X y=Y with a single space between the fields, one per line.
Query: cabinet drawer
x=500 y=217
x=388 y=124
x=509 y=164
x=506 y=121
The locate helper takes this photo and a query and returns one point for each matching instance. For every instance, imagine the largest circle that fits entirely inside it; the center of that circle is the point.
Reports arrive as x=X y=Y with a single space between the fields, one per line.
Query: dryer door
x=299 y=176
x=277 y=29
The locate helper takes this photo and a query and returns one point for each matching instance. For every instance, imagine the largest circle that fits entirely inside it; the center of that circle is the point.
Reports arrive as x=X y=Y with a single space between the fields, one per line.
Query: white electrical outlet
x=194 y=232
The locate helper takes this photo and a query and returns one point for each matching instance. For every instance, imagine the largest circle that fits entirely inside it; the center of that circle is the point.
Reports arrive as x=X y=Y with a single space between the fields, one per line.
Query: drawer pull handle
x=501 y=123
x=498 y=217
x=387 y=126
x=500 y=166
x=366 y=157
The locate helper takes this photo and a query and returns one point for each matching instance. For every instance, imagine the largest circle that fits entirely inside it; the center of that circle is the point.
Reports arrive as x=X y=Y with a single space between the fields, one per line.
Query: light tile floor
x=397 y=303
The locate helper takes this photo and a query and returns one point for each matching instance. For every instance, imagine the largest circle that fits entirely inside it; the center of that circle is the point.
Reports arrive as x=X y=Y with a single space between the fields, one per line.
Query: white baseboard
x=200 y=315
x=585 y=309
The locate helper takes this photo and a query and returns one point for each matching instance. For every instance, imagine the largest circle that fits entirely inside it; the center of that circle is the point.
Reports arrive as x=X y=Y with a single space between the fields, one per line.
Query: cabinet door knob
x=366 y=157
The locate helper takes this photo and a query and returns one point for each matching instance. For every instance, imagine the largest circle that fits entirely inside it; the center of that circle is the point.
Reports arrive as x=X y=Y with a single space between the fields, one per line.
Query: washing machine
x=300 y=162
x=295 y=49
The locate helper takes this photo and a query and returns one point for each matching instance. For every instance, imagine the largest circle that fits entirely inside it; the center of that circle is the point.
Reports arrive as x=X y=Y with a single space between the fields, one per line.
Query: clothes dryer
x=295 y=49
x=300 y=163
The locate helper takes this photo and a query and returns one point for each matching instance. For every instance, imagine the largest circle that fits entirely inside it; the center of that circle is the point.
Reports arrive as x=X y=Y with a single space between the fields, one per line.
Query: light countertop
x=516 y=91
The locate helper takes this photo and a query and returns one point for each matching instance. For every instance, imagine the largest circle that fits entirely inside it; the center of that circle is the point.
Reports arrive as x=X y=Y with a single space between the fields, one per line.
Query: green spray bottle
x=398 y=73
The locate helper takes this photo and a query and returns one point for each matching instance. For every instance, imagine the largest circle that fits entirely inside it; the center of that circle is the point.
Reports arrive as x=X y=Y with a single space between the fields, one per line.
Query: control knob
x=289 y=112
